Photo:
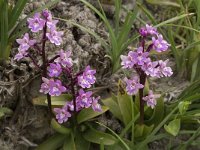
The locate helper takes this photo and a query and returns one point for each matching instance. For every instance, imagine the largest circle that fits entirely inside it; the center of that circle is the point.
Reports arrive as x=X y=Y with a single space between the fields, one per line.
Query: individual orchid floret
x=163 y=70
x=149 y=67
x=133 y=85
x=70 y=105
x=54 y=69
x=25 y=43
x=19 y=56
x=51 y=24
x=151 y=30
x=53 y=87
x=36 y=23
x=54 y=36
x=89 y=74
x=83 y=82
x=87 y=78
x=64 y=59
x=56 y=88
x=62 y=114
x=128 y=61
x=143 y=31
x=140 y=56
x=150 y=99
x=148 y=29
x=159 y=44
x=84 y=98
x=45 y=86
x=95 y=105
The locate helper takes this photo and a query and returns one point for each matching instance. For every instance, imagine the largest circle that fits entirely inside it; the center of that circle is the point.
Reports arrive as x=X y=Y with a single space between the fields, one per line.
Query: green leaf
x=89 y=113
x=16 y=12
x=163 y=2
x=125 y=104
x=98 y=137
x=59 y=128
x=4 y=29
x=117 y=136
x=52 y=143
x=55 y=100
x=173 y=19
x=141 y=131
x=69 y=143
x=183 y=107
x=173 y=127
x=5 y=111
x=81 y=143
x=152 y=134
x=158 y=113
x=113 y=106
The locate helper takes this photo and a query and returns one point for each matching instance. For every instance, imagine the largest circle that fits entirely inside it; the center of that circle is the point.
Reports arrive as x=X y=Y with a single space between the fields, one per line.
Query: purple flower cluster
x=24 y=44
x=87 y=78
x=58 y=68
x=64 y=59
x=53 y=87
x=83 y=100
x=62 y=114
x=39 y=22
x=63 y=65
x=141 y=61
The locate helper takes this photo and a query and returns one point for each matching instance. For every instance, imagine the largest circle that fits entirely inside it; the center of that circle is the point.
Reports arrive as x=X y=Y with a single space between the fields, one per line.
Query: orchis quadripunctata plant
x=142 y=63
x=57 y=68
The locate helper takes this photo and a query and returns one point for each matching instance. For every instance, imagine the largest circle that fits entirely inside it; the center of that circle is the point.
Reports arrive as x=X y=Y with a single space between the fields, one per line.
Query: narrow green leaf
x=151 y=135
x=97 y=137
x=69 y=143
x=129 y=125
x=125 y=30
x=16 y=13
x=163 y=2
x=149 y=15
x=59 y=128
x=183 y=107
x=141 y=131
x=80 y=142
x=89 y=113
x=117 y=15
x=125 y=105
x=52 y=143
x=117 y=136
x=173 y=127
x=4 y=30
x=174 y=19
x=113 y=107
x=55 y=100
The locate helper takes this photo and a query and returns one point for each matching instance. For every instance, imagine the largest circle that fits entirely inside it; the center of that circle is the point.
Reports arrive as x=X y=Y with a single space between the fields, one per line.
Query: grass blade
x=117 y=136
x=4 y=30
x=16 y=12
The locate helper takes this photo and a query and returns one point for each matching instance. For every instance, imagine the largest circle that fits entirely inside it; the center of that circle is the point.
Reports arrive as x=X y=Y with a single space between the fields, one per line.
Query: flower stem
x=141 y=93
x=34 y=62
x=44 y=59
